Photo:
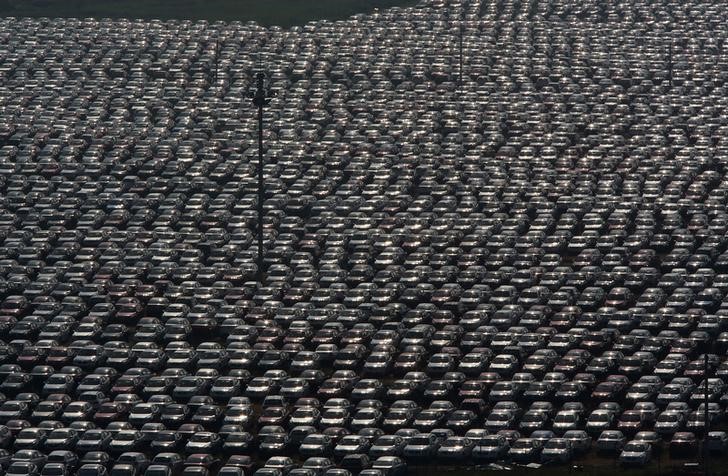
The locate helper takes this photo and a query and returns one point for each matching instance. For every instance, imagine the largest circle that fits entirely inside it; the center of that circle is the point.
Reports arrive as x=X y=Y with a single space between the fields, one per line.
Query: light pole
x=462 y=31
x=669 y=65
x=261 y=97
x=217 y=57
x=707 y=416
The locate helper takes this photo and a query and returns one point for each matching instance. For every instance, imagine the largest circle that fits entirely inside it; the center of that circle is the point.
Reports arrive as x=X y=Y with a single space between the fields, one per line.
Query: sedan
x=580 y=440
x=611 y=441
x=500 y=420
x=387 y=445
x=456 y=448
x=525 y=450
x=316 y=445
x=557 y=450
x=422 y=446
x=352 y=444
x=491 y=448
x=635 y=453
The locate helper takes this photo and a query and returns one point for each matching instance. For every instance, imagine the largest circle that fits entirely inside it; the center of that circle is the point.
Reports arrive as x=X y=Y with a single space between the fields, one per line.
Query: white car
x=557 y=450
x=636 y=453
x=610 y=441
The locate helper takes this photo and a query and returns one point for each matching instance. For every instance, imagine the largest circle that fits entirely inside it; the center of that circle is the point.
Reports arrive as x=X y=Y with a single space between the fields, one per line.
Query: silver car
x=636 y=453
x=557 y=450
x=565 y=421
x=610 y=441
x=669 y=422
x=525 y=450
x=491 y=448
x=580 y=440
x=456 y=448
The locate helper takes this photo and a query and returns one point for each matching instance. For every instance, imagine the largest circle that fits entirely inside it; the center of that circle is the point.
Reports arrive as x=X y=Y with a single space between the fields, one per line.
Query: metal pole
x=669 y=58
x=217 y=61
x=261 y=194
x=260 y=100
x=462 y=30
x=659 y=457
x=707 y=418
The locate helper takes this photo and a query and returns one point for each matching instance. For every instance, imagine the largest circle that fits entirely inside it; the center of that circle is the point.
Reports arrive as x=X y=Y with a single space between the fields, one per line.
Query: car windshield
x=453 y=443
x=557 y=444
x=667 y=418
x=636 y=447
x=490 y=442
x=499 y=417
x=420 y=440
x=523 y=444
x=532 y=417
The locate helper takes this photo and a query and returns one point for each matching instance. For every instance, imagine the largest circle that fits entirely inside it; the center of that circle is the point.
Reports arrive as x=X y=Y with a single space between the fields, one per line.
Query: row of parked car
x=525 y=266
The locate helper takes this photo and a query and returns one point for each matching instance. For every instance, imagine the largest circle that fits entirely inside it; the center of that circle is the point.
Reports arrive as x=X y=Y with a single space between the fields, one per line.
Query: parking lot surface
x=528 y=266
